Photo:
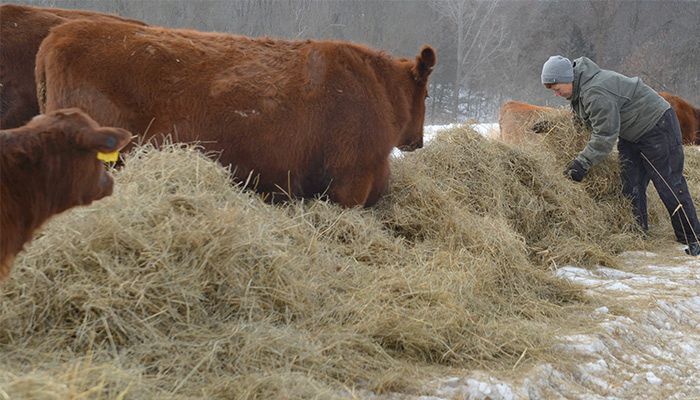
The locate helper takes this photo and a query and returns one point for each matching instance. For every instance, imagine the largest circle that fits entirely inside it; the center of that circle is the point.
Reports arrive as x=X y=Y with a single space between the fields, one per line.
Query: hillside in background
x=488 y=51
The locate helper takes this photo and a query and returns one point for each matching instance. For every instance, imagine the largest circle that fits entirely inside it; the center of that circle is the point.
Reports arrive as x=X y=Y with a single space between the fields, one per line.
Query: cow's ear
x=105 y=140
x=425 y=61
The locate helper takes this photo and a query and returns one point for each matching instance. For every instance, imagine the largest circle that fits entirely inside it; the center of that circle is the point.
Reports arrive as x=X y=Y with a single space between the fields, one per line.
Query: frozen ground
x=649 y=349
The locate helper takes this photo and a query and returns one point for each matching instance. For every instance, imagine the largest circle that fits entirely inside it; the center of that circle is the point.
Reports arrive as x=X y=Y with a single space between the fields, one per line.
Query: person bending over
x=624 y=109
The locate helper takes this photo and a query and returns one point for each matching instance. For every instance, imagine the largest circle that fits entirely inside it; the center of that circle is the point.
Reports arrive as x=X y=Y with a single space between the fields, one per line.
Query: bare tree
x=603 y=12
x=488 y=51
x=480 y=40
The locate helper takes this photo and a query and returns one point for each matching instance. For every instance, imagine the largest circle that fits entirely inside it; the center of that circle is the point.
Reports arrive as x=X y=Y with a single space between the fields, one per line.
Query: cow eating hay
x=519 y=122
x=46 y=167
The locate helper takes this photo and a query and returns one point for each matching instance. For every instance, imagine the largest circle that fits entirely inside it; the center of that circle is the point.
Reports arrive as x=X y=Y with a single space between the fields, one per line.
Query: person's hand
x=575 y=171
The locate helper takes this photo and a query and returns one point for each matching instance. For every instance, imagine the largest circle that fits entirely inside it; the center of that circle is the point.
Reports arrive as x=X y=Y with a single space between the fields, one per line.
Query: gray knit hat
x=557 y=69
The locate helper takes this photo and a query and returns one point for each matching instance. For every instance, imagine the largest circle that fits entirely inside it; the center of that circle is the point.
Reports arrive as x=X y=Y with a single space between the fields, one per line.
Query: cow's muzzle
x=105 y=186
x=412 y=146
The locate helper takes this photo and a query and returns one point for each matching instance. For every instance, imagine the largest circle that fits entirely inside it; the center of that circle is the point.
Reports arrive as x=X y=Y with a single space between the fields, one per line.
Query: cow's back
x=516 y=121
x=688 y=117
x=265 y=104
x=194 y=86
x=22 y=28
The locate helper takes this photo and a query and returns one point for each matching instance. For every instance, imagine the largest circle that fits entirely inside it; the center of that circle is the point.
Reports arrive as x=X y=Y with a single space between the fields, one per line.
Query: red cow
x=303 y=117
x=688 y=117
x=518 y=121
x=22 y=28
x=47 y=167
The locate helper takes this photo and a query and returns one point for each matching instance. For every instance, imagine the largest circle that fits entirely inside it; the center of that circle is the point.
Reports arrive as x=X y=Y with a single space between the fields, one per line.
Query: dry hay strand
x=182 y=285
x=691 y=172
x=78 y=379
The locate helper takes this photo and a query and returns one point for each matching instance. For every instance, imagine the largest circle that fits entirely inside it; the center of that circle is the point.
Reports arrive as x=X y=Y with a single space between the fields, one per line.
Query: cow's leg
x=5 y=267
x=352 y=192
x=16 y=108
x=379 y=185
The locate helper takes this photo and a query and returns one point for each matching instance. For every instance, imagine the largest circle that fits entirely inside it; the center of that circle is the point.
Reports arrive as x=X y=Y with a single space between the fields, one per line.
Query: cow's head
x=412 y=132
x=69 y=142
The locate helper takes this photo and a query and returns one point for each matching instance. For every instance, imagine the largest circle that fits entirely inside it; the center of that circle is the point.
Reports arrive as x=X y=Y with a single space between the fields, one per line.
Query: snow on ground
x=485 y=129
x=648 y=350
x=488 y=130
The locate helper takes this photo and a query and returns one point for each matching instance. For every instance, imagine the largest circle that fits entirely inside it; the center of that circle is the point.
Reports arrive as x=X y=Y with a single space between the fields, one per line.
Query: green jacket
x=612 y=105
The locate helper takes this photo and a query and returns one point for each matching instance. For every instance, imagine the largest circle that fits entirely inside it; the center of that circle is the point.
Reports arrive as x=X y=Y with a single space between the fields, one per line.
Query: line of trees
x=488 y=51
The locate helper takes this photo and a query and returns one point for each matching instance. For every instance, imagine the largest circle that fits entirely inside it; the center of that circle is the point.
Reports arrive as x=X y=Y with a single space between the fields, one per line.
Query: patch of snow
x=571 y=272
x=601 y=310
x=599 y=366
x=585 y=344
x=431 y=131
x=629 y=254
x=487 y=130
x=617 y=286
x=653 y=379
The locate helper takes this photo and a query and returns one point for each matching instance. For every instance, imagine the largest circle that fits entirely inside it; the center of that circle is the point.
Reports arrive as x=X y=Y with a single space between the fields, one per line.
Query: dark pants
x=658 y=156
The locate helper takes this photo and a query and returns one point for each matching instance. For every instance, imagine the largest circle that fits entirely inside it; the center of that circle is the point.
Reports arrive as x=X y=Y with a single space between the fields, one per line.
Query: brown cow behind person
x=518 y=121
x=47 y=167
x=300 y=117
x=688 y=117
x=22 y=28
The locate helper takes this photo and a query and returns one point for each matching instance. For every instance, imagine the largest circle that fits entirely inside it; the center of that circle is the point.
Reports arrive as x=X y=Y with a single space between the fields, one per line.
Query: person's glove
x=575 y=171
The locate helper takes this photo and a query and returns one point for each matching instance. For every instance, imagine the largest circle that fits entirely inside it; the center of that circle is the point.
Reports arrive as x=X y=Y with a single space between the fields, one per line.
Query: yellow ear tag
x=108 y=157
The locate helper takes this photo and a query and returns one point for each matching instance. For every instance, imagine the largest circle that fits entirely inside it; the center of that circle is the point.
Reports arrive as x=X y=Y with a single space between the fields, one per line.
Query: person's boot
x=693 y=249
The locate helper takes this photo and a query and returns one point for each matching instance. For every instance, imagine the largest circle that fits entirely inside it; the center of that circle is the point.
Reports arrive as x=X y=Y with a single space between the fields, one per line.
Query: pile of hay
x=181 y=285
